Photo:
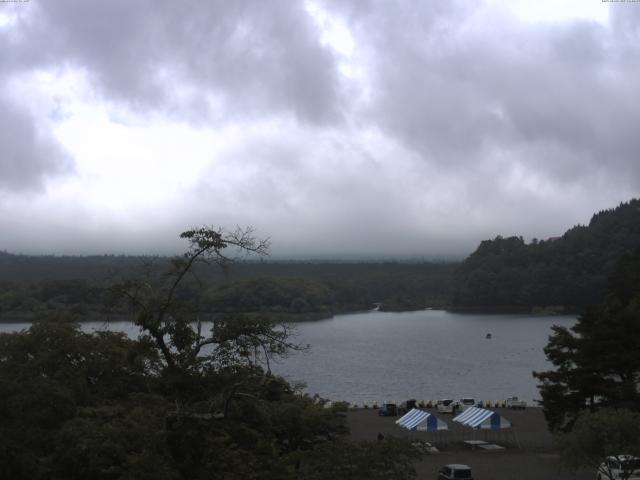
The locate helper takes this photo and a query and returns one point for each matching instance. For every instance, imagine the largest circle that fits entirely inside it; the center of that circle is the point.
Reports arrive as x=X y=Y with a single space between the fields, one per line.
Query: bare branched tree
x=176 y=327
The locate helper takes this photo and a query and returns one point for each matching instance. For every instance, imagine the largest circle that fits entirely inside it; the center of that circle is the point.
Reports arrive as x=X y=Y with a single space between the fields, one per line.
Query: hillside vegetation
x=35 y=285
x=562 y=274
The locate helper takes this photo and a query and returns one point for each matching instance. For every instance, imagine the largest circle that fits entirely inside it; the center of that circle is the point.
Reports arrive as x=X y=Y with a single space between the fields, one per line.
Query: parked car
x=514 y=402
x=455 y=471
x=388 y=410
x=467 y=402
x=619 y=467
x=407 y=406
x=446 y=406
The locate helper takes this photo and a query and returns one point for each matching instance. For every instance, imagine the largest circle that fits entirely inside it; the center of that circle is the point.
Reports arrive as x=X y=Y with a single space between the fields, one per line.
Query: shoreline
x=96 y=315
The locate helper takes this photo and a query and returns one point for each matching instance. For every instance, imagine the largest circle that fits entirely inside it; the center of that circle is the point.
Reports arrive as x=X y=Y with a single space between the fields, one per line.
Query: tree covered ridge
x=36 y=286
x=569 y=272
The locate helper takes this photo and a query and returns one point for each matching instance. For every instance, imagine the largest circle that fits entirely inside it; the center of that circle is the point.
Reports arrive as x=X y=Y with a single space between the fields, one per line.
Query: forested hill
x=565 y=273
x=38 y=268
x=31 y=286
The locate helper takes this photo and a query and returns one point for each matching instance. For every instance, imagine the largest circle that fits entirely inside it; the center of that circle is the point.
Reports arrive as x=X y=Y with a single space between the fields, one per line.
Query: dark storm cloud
x=201 y=59
x=28 y=152
x=28 y=155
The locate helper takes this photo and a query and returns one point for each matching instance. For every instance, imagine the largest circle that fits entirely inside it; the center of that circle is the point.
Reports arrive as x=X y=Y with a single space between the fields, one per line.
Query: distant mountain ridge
x=35 y=286
x=558 y=274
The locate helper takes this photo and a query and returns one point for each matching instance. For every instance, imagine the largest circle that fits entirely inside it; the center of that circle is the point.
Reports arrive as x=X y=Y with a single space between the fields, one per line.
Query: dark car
x=388 y=410
x=455 y=470
x=407 y=406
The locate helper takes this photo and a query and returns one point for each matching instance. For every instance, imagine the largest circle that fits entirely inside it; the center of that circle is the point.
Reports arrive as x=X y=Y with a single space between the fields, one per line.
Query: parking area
x=528 y=452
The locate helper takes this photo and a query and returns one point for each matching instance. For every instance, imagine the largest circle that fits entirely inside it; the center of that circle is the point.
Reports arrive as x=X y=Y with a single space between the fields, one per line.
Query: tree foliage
x=169 y=319
x=375 y=460
x=598 y=435
x=185 y=400
x=53 y=378
x=35 y=286
x=597 y=361
x=569 y=272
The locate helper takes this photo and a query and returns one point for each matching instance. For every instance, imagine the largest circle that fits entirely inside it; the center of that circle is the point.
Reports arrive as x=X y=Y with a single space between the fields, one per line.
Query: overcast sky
x=337 y=128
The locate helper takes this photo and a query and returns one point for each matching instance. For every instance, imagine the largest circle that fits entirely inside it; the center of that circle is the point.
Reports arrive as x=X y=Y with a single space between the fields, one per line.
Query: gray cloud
x=456 y=93
x=466 y=130
x=200 y=59
x=29 y=153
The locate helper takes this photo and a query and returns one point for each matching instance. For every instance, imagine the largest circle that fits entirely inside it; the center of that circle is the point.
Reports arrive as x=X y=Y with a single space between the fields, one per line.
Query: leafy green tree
x=173 y=324
x=597 y=436
x=597 y=361
x=52 y=376
x=377 y=460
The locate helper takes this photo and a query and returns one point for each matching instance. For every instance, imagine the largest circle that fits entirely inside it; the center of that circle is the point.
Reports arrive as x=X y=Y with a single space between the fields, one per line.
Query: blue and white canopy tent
x=419 y=420
x=487 y=421
x=482 y=419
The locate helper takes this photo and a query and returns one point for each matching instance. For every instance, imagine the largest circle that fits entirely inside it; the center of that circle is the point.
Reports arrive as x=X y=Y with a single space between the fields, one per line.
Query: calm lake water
x=430 y=354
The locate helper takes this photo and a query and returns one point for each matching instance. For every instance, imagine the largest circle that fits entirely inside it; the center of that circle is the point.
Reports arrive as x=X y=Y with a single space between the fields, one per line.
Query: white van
x=466 y=403
x=446 y=406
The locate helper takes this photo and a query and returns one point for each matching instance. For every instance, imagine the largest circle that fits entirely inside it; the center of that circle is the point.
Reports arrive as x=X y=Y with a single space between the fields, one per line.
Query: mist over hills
x=558 y=274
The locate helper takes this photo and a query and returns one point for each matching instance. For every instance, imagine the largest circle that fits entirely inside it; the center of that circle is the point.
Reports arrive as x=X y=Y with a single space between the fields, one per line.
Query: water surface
x=429 y=354
x=426 y=355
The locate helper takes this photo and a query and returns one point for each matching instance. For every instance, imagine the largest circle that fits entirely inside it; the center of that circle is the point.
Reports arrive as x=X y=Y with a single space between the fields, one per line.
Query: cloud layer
x=337 y=128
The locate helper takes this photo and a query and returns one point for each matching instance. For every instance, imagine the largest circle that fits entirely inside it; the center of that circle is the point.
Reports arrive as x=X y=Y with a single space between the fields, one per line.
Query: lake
x=427 y=354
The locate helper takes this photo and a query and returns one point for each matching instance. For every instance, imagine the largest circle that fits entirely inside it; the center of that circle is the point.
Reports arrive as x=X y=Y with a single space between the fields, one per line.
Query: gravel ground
x=528 y=452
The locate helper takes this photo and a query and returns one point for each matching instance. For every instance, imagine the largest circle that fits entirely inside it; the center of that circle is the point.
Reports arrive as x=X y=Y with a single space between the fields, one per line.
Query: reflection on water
x=378 y=356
